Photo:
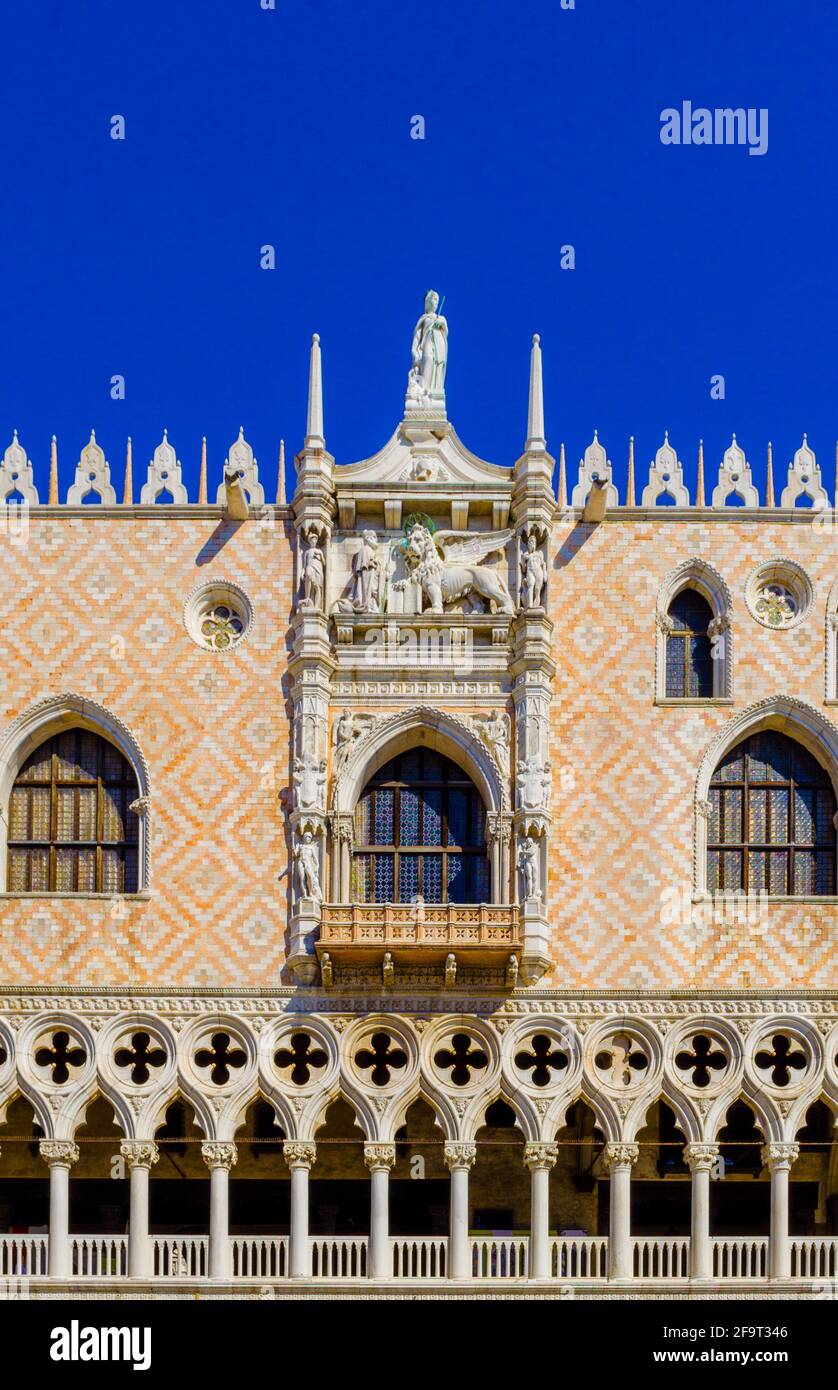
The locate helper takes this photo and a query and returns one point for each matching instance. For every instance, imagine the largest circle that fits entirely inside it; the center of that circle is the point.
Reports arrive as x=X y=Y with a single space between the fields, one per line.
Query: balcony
x=477 y=934
x=180 y=1263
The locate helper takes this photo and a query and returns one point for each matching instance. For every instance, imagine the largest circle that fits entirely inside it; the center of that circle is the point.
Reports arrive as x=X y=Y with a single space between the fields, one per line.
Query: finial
x=666 y=436
x=699 y=487
x=630 y=498
x=536 y=438
x=734 y=436
x=596 y=437
x=128 y=491
x=805 y=437
x=315 y=437
x=93 y=436
x=769 y=478
x=562 y=494
x=280 y=482
x=202 y=476
x=15 y=436
x=53 y=473
x=165 y=434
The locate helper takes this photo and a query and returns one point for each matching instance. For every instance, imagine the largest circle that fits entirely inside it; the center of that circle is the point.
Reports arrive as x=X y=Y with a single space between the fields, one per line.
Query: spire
x=52 y=500
x=630 y=502
x=536 y=439
x=562 y=497
x=280 y=481
x=314 y=424
x=769 y=479
x=202 y=476
x=128 y=494
x=836 y=472
x=699 y=487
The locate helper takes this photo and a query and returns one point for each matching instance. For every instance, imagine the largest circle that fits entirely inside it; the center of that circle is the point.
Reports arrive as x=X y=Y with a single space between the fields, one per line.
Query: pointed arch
x=697 y=573
x=40 y=721
x=799 y=720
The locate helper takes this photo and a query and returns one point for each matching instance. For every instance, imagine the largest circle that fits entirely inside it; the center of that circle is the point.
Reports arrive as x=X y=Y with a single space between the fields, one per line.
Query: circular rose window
x=779 y=595
x=218 y=616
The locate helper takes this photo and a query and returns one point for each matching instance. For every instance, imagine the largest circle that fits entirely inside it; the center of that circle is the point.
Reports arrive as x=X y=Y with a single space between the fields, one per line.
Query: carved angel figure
x=349 y=728
x=494 y=729
x=447 y=567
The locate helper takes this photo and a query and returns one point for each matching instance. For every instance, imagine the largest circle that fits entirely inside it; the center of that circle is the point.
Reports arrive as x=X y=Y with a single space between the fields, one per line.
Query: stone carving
x=666 y=476
x=16 y=474
x=309 y=783
x=533 y=573
x=429 y=357
x=241 y=464
x=164 y=475
x=459 y=1154
x=139 y=1153
x=379 y=1156
x=538 y=1155
x=532 y=783
x=93 y=474
x=494 y=729
x=450 y=970
x=424 y=468
x=620 y=1155
x=369 y=569
x=511 y=973
x=447 y=567
x=595 y=466
x=313 y=573
x=62 y=1151
x=735 y=477
x=776 y=1155
x=218 y=1155
x=307 y=861
x=528 y=864
x=349 y=728
x=804 y=479
x=299 y=1154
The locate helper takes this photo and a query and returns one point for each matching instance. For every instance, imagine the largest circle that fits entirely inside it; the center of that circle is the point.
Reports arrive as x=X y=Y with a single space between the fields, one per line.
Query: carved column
x=300 y=1158
x=219 y=1158
x=380 y=1158
x=778 y=1159
x=540 y=1158
x=60 y=1154
x=620 y=1159
x=140 y=1157
x=459 y=1160
x=701 y=1158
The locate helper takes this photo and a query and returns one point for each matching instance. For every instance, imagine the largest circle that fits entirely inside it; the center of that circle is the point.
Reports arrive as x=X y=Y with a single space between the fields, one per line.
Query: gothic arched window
x=420 y=830
x=70 y=827
x=689 y=660
x=770 y=827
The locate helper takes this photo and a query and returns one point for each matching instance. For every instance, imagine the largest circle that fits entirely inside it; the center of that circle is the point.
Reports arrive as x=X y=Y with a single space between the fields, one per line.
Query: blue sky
x=292 y=127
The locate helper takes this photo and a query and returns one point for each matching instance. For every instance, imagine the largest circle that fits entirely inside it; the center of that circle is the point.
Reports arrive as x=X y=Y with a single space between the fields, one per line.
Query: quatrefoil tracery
x=621 y=1060
x=220 y=1056
x=380 y=1058
x=141 y=1055
x=61 y=1057
x=782 y=1060
x=543 y=1060
x=461 y=1059
x=303 y=1058
x=702 y=1061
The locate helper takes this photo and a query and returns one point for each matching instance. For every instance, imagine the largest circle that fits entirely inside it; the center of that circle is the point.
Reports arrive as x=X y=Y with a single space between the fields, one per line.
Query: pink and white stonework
x=258 y=666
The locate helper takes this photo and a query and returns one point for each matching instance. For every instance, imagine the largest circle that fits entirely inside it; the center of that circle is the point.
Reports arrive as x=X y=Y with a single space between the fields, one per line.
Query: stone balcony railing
x=481 y=933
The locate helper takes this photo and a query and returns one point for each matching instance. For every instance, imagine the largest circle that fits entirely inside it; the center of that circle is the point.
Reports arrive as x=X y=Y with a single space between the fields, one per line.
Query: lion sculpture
x=447 y=567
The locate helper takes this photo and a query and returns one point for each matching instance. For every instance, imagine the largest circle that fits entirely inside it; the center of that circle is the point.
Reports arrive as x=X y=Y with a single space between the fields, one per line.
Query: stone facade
x=256 y=664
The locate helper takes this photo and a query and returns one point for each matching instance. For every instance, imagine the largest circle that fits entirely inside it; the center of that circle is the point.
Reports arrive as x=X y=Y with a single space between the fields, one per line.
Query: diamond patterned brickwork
x=623 y=833
x=97 y=608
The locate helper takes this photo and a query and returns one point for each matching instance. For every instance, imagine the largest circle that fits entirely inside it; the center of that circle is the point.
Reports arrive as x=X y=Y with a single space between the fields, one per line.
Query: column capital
x=299 y=1153
x=540 y=1156
x=620 y=1155
x=379 y=1156
x=219 y=1155
x=61 y=1152
x=700 y=1158
x=139 y=1153
x=460 y=1155
x=779 y=1156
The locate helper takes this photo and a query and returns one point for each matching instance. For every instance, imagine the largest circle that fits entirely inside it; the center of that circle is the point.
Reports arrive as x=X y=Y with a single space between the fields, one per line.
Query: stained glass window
x=70 y=827
x=689 y=661
x=420 y=831
x=770 y=828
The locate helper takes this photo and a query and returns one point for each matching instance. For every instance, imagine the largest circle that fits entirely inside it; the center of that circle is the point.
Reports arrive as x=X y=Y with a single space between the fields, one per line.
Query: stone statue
x=528 y=864
x=429 y=355
x=532 y=777
x=309 y=783
x=533 y=574
x=308 y=868
x=349 y=728
x=494 y=730
x=367 y=576
x=314 y=574
x=447 y=567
